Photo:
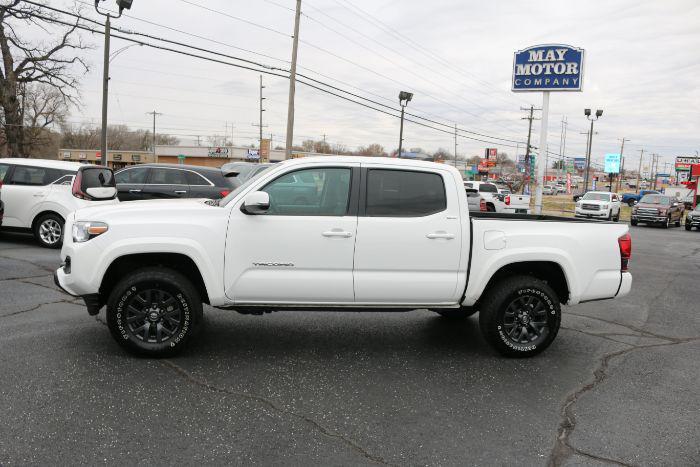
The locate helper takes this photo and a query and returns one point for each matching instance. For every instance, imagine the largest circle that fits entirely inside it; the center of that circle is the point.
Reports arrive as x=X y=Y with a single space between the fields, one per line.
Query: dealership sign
x=612 y=164
x=551 y=67
x=218 y=152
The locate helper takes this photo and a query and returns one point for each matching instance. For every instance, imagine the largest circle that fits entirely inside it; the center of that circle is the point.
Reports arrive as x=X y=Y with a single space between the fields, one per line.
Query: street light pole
x=122 y=4
x=404 y=99
x=587 y=113
x=639 y=171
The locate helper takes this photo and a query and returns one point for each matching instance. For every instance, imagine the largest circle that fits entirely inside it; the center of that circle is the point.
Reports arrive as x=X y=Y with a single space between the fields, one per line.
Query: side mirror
x=257 y=202
x=675 y=205
x=102 y=193
x=636 y=201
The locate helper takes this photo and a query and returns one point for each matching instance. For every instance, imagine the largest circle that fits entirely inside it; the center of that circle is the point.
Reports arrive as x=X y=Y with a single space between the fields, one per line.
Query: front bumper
x=591 y=214
x=649 y=219
x=694 y=222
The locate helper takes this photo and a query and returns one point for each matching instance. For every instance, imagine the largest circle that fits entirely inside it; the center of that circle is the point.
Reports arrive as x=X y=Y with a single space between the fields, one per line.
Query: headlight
x=662 y=212
x=84 y=231
x=603 y=206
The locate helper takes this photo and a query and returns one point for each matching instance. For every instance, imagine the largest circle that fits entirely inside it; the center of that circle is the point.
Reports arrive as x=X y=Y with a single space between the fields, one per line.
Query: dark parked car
x=657 y=209
x=692 y=219
x=244 y=171
x=162 y=181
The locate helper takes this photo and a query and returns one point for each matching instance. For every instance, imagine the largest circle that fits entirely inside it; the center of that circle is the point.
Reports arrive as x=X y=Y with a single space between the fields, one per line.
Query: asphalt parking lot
x=619 y=385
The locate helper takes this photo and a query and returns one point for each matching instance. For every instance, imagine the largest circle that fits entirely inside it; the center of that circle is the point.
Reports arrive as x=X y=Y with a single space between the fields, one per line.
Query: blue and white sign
x=252 y=155
x=550 y=67
x=579 y=163
x=612 y=164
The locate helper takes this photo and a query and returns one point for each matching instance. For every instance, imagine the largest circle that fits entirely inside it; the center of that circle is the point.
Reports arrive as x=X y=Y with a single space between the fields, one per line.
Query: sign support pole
x=541 y=163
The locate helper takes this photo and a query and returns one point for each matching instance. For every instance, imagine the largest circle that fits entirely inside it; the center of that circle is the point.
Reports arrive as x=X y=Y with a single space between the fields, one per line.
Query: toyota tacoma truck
x=378 y=234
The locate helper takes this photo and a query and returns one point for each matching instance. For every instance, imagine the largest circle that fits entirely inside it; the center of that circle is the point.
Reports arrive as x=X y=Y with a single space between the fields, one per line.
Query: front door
x=409 y=238
x=301 y=250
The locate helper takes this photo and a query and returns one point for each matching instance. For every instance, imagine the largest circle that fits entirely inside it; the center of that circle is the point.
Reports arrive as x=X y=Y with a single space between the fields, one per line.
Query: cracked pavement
x=618 y=386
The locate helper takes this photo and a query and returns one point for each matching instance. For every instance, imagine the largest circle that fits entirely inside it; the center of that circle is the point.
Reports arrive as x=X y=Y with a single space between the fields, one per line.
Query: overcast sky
x=642 y=68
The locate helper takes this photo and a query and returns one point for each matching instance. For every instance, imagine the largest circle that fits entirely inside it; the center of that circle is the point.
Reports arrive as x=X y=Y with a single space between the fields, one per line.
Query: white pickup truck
x=337 y=234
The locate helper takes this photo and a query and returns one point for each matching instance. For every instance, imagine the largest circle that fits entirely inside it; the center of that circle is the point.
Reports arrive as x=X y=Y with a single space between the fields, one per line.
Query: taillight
x=223 y=193
x=507 y=200
x=77 y=181
x=482 y=205
x=625 y=243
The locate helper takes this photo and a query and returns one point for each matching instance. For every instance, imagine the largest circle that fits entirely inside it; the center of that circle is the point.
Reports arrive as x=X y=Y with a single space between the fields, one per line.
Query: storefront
x=115 y=159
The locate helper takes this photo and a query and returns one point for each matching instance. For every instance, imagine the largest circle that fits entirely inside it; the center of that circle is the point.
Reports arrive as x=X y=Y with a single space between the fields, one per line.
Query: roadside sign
x=549 y=67
x=181 y=159
x=218 y=152
x=683 y=163
x=612 y=163
x=253 y=155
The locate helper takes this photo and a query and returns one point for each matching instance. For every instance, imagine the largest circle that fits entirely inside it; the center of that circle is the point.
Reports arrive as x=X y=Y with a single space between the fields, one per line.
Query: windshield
x=656 y=199
x=224 y=201
x=596 y=196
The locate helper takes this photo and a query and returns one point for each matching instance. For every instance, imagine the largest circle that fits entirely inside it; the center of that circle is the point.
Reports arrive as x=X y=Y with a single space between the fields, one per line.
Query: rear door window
x=488 y=188
x=403 y=193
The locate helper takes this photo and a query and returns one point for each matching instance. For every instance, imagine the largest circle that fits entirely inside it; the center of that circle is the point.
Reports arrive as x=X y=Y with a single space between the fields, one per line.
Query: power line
x=269 y=71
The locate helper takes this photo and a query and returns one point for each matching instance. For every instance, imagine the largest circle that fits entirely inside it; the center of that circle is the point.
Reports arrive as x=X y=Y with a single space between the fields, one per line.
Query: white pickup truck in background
x=511 y=203
x=370 y=234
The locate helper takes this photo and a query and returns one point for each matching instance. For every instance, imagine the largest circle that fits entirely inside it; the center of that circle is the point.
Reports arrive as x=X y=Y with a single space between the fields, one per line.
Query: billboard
x=683 y=163
x=491 y=154
x=548 y=67
x=612 y=164
x=218 y=152
x=580 y=163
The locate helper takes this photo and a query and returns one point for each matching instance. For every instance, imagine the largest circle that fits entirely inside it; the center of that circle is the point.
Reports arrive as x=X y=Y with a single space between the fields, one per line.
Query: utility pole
x=562 y=145
x=154 y=113
x=526 y=180
x=655 y=168
x=261 y=112
x=455 y=145
x=622 y=164
x=639 y=172
x=105 y=93
x=292 y=84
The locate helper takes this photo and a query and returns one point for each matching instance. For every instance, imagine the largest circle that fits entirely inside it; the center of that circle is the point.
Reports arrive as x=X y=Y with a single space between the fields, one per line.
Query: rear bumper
x=625 y=285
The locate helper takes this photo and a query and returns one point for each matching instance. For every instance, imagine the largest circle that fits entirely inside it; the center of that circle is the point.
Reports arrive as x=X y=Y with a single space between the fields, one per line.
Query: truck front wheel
x=520 y=316
x=154 y=312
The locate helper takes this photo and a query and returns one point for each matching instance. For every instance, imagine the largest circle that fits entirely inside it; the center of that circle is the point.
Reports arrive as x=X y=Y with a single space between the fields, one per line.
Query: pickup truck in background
x=631 y=198
x=499 y=202
x=378 y=234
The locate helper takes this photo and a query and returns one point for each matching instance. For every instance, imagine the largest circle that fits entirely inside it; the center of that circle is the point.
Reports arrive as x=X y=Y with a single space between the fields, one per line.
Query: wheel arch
x=548 y=271
x=44 y=212
x=179 y=262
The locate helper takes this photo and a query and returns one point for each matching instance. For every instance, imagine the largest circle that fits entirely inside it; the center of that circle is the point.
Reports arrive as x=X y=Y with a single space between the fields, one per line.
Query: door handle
x=337 y=233
x=39 y=195
x=134 y=191
x=180 y=192
x=444 y=235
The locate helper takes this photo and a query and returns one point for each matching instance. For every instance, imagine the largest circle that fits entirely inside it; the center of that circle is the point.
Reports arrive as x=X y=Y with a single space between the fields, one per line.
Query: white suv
x=38 y=194
x=599 y=204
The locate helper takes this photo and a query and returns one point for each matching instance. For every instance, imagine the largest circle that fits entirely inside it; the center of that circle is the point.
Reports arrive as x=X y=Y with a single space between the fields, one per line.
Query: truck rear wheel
x=520 y=316
x=154 y=312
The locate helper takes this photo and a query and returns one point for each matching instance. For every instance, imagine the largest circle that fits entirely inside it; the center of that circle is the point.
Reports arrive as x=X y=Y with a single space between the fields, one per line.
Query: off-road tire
x=127 y=296
x=630 y=203
x=687 y=227
x=633 y=222
x=667 y=224
x=495 y=304
x=678 y=222
x=457 y=313
x=45 y=229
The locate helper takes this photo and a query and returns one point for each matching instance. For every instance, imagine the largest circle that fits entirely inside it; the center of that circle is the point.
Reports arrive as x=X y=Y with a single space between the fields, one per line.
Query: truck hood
x=176 y=206
x=594 y=201
x=650 y=205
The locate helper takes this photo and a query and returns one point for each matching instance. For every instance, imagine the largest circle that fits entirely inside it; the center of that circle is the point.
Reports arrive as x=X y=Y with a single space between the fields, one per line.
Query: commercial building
x=115 y=159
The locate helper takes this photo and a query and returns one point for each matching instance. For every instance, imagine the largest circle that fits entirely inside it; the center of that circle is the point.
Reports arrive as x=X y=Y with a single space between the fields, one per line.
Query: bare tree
x=42 y=107
x=50 y=63
x=373 y=150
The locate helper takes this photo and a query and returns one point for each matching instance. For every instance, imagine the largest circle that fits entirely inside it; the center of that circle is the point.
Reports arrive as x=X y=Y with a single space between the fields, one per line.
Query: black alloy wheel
x=525 y=320
x=153 y=316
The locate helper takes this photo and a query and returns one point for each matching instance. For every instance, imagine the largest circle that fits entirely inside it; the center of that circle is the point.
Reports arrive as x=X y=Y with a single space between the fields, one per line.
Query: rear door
x=130 y=183
x=205 y=185
x=24 y=187
x=166 y=183
x=409 y=237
